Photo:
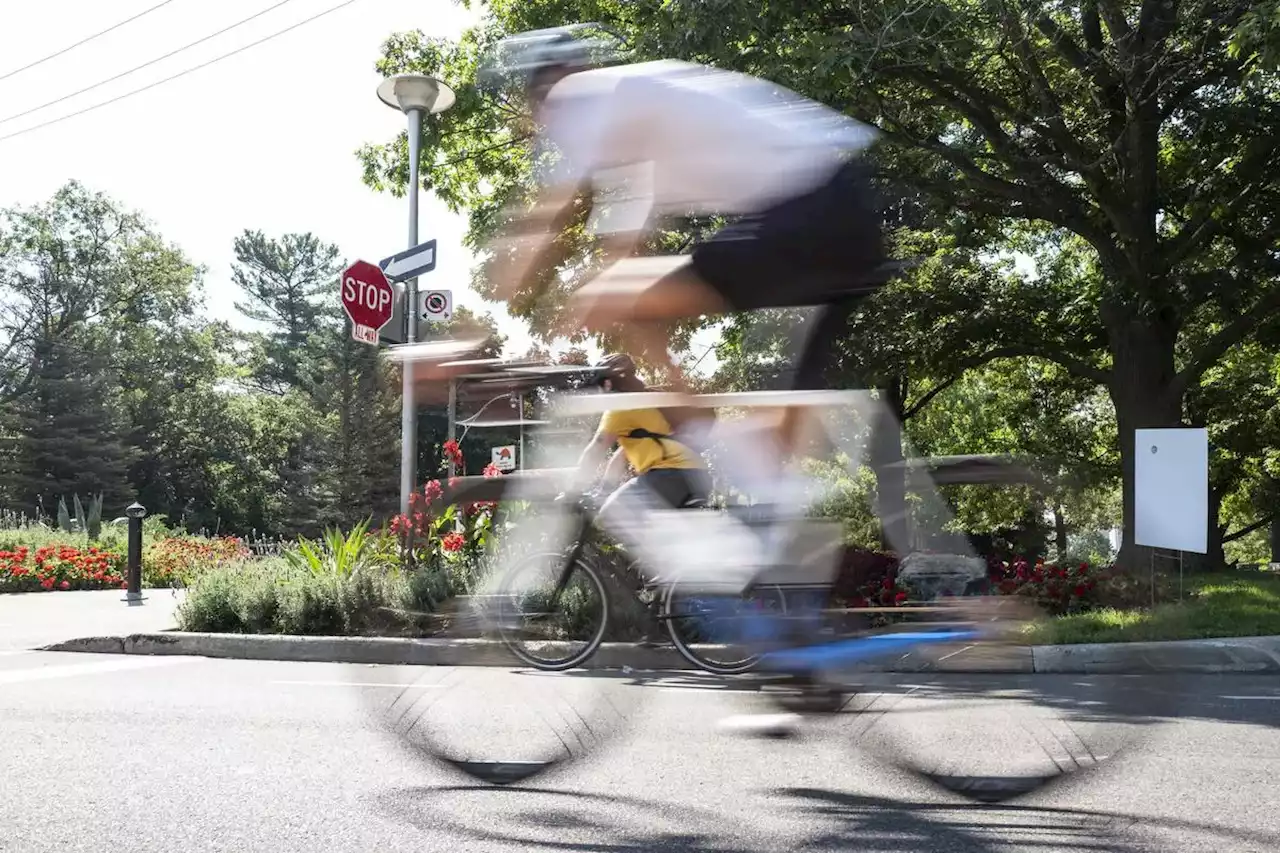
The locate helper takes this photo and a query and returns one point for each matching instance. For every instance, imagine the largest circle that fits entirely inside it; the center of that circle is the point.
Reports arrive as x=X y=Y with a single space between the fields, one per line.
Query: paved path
x=34 y=619
x=110 y=753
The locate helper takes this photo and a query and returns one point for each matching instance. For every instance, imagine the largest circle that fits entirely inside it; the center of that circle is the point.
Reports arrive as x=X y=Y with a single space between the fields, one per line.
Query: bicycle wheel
x=711 y=631
x=552 y=614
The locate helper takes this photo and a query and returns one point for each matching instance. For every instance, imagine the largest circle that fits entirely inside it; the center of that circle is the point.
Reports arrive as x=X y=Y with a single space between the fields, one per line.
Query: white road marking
x=44 y=673
x=357 y=684
x=1262 y=698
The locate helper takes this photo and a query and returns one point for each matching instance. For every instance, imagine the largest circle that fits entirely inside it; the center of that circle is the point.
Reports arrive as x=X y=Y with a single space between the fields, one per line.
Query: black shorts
x=801 y=251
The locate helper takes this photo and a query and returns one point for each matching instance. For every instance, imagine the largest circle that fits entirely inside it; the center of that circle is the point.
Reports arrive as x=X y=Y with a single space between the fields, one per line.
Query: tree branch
x=1204 y=225
x=930 y=394
x=1228 y=336
x=1245 y=531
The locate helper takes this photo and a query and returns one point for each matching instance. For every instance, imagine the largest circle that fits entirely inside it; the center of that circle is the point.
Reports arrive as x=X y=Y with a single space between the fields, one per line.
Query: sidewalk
x=31 y=620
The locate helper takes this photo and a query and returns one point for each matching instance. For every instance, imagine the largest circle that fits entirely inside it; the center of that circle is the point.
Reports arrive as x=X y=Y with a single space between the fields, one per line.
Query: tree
x=81 y=280
x=69 y=434
x=1128 y=132
x=284 y=281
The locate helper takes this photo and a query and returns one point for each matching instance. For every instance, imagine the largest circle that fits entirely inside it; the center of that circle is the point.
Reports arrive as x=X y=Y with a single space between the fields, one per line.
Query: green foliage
x=1120 y=149
x=64 y=517
x=284 y=596
x=1242 y=606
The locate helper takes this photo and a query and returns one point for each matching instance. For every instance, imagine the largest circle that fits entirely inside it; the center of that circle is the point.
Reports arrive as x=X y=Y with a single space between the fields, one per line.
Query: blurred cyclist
x=657 y=140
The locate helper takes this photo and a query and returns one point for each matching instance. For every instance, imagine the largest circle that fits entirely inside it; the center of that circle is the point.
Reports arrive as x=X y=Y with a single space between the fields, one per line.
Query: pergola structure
x=467 y=387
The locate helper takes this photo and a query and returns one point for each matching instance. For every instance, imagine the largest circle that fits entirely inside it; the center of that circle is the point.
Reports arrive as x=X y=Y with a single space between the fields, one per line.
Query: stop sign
x=367 y=295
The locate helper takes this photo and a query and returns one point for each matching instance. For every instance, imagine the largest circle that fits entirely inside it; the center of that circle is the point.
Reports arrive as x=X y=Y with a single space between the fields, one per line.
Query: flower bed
x=870 y=578
x=49 y=565
x=176 y=560
x=60 y=567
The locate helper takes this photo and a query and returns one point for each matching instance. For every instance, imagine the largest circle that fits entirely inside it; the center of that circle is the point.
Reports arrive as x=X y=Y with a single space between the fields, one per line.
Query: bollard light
x=135 y=512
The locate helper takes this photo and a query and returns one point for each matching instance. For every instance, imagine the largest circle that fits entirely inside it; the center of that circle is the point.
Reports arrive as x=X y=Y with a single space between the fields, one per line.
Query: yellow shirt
x=645 y=454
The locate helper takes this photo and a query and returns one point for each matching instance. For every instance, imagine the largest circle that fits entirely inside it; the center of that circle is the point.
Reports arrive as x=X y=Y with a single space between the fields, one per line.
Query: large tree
x=1127 y=130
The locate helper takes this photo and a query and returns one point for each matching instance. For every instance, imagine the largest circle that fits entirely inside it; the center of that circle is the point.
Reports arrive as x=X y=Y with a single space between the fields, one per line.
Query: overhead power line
x=172 y=77
x=98 y=34
x=146 y=64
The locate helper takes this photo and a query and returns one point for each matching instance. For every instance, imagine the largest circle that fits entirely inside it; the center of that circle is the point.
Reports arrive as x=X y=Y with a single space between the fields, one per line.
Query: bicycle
x=577 y=607
x=805 y=647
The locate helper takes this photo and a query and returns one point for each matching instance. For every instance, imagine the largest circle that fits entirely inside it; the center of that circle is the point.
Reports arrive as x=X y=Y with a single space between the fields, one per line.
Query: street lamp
x=415 y=95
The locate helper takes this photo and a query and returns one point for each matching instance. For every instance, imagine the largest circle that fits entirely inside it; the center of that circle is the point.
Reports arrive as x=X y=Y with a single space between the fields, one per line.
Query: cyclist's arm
x=614 y=470
x=594 y=453
x=531 y=246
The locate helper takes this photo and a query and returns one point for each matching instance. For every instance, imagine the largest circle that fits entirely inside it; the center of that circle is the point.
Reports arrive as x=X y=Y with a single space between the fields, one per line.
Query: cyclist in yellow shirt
x=665 y=468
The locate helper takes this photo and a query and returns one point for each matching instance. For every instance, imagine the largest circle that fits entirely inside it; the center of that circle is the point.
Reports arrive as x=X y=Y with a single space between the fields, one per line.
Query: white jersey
x=679 y=138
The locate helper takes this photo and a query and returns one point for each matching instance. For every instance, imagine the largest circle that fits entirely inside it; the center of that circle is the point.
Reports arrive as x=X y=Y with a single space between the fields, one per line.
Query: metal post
x=133 y=581
x=409 y=409
x=453 y=420
x=521 y=459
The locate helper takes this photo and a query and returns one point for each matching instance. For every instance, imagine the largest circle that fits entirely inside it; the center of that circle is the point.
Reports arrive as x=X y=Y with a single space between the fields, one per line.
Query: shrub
x=344 y=584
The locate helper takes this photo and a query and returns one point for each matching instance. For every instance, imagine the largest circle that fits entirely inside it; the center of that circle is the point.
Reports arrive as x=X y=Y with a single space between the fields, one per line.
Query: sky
x=263 y=140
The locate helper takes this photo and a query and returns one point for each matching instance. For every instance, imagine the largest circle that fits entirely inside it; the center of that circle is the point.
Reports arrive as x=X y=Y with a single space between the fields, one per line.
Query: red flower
x=453 y=541
x=432 y=490
x=492 y=470
x=1080 y=590
x=453 y=452
x=64 y=585
x=47 y=583
x=1084 y=568
x=899 y=598
x=888 y=583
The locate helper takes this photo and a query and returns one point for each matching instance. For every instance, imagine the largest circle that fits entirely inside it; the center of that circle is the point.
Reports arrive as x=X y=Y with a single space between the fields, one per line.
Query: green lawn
x=1233 y=605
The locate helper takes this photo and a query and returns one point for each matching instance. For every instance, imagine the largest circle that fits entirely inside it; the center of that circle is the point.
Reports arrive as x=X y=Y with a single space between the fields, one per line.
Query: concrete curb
x=1239 y=655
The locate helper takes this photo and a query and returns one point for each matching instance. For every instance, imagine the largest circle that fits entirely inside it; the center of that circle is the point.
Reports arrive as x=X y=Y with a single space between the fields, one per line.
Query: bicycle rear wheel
x=552 y=613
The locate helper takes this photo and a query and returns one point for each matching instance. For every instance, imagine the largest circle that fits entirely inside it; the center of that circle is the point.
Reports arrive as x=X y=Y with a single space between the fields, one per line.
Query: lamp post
x=415 y=95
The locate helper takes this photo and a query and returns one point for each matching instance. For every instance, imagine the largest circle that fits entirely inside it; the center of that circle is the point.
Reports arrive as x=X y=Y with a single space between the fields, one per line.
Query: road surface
x=104 y=753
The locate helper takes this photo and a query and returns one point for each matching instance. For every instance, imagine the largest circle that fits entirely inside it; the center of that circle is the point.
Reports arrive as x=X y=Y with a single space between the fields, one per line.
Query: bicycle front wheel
x=552 y=613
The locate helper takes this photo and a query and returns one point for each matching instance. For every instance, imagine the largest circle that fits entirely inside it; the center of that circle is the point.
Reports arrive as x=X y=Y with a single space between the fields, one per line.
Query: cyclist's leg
x=662 y=488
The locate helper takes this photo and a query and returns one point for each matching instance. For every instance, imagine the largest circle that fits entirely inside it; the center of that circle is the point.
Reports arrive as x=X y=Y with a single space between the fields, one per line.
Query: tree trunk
x=885 y=449
x=1145 y=394
x=1215 y=557
x=1059 y=531
x=1275 y=540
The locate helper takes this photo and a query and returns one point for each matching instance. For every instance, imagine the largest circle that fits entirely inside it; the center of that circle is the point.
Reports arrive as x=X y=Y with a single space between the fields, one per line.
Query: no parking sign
x=437 y=305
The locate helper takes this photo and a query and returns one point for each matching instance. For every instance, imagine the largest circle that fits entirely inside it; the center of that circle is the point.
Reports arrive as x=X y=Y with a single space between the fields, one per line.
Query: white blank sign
x=1171 y=489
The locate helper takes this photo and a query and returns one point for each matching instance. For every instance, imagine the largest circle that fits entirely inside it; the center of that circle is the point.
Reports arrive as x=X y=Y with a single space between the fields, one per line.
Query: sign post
x=368 y=299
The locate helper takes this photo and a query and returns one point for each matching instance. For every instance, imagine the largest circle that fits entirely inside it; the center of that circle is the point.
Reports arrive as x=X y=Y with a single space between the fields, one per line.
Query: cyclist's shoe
x=761 y=725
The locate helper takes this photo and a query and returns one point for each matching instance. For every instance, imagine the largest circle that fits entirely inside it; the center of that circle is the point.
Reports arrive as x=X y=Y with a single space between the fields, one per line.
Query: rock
x=936 y=575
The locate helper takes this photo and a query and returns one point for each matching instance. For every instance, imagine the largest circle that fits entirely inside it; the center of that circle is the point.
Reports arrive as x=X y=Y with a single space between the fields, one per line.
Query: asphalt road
x=166 y=754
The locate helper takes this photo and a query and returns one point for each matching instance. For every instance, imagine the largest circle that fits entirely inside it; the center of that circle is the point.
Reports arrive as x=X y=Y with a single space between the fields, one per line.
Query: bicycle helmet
x=616 y=365
x=518 y=58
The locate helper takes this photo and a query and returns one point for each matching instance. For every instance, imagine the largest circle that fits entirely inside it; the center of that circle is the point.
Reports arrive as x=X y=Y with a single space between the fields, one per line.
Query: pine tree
x=68 y=436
